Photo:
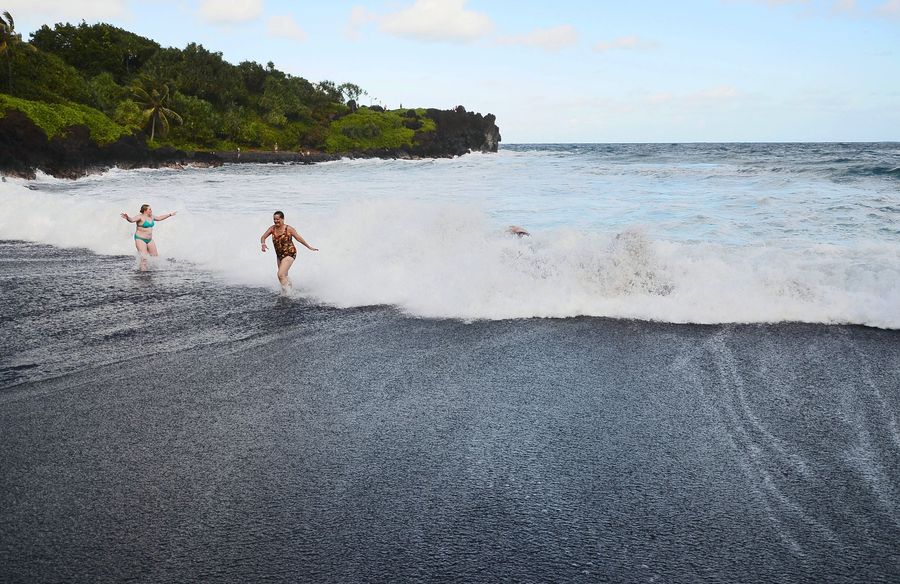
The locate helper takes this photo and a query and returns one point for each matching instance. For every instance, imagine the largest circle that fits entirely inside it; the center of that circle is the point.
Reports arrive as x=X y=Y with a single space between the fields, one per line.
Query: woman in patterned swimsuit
x=283 y=236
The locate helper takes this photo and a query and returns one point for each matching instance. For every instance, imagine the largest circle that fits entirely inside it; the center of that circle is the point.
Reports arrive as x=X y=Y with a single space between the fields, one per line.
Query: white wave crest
x=449 y=261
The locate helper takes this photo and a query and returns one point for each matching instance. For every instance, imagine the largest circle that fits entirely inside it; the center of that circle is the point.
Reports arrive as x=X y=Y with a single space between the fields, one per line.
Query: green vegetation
x=54 y=118
x=96 y=49
x=8 y=40
x=118 y=83
x=153 y=97
x=368 y=129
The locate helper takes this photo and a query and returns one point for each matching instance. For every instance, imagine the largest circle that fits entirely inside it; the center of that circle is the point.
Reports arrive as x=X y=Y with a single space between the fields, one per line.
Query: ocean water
x=718 y=401
x=682 y=233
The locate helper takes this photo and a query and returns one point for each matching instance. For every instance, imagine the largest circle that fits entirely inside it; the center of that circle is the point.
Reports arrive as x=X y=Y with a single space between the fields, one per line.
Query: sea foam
x=445 y=260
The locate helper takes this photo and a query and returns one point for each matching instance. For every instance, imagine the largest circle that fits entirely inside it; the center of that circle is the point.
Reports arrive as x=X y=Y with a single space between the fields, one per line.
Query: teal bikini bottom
x=142 y=239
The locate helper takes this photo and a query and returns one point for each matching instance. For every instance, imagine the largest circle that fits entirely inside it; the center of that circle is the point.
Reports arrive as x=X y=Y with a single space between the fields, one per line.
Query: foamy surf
x=445 y=260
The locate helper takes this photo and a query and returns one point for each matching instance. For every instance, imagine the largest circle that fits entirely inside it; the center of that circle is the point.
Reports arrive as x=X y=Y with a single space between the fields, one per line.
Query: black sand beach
x=165 y=427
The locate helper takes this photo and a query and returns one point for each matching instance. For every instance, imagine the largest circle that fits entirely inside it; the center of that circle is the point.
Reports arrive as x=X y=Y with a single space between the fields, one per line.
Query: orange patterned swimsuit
x=284 y=244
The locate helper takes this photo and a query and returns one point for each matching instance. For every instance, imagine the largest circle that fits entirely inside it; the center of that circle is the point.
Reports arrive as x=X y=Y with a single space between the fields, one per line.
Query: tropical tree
x=153 y=97
x=329 y=91
x=96 y=48
x=351 y=91
x=9 y=43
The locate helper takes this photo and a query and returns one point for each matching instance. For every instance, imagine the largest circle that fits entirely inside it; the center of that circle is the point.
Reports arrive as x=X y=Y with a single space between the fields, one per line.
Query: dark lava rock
x=25 y=149
x=458 y=132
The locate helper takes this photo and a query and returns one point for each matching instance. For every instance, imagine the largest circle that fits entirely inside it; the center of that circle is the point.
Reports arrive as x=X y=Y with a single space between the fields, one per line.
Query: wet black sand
x=166 y=427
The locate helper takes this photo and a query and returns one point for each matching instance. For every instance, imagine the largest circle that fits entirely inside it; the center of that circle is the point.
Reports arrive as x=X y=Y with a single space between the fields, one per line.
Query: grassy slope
x=367 y=129
x=363 y=130
x=54 y=118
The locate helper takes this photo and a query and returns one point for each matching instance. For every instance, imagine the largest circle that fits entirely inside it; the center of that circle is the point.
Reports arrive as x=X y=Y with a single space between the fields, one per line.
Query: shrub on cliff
x=41 y=76
x=107 y=93
x=368 y=129
x=55 y=118
x=128 y=114
x=200 y=120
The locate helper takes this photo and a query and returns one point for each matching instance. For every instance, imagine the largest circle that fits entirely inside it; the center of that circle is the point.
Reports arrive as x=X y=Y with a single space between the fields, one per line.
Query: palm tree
x=153 y=101
x=9 y=42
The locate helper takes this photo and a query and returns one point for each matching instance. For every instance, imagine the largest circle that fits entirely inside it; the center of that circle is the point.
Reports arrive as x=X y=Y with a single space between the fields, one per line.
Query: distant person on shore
x=516 y=230
x=283 y=236
x=143 y=234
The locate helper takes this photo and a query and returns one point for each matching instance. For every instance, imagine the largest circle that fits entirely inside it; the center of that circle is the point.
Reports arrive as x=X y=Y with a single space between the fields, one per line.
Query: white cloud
x=286 y=28
x=60 y=10
x=890 y=9
x=230 y=12
x=359 y=16
x=551 y=39
x=660 y=98
x=437 y=20
x=843 y=7
x=720 y=93
x=625 y=43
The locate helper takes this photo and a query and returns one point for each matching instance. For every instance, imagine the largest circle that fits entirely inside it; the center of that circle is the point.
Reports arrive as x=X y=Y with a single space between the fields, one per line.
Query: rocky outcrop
x=24 y=149
x=458 y=132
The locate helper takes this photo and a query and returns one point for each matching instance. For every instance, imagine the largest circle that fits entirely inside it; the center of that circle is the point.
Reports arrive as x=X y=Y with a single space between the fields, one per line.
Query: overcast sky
x=564 y=71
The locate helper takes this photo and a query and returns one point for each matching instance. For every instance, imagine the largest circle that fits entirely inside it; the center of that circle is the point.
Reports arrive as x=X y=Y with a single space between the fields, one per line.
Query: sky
x=563 y=71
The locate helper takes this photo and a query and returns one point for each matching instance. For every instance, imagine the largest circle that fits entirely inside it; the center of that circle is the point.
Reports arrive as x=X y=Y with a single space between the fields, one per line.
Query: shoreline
x=399 y=438
x=210 y=159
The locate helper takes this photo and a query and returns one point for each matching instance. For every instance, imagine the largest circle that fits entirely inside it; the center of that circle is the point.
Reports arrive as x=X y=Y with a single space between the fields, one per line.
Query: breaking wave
x=440 y=260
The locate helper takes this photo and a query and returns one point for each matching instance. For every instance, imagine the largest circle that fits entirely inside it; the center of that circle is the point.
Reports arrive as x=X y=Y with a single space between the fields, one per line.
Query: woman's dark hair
x=144 y=207
x=279 y=213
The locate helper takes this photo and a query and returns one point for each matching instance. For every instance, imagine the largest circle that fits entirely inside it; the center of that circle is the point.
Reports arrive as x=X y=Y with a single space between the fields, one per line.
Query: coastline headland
x=25 y=147
x=79 y=99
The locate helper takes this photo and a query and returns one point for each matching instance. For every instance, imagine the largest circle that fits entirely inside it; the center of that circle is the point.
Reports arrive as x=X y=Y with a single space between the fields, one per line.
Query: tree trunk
x=153 y=129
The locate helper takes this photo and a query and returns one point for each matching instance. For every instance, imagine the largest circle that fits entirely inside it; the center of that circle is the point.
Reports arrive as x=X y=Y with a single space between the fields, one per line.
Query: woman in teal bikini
x=143 y=235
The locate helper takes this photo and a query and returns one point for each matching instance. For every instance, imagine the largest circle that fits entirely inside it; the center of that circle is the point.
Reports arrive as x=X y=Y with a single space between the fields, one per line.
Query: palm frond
x=163 y=125
x=140 y=94
x=170 y=114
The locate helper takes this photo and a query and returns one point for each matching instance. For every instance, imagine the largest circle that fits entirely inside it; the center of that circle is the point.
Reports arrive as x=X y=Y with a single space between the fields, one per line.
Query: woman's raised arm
x=164 y=217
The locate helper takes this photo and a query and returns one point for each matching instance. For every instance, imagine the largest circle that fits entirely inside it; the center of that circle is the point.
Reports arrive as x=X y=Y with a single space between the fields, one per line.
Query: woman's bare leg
x=284 y=265
x=151 y=247
x=142 y=251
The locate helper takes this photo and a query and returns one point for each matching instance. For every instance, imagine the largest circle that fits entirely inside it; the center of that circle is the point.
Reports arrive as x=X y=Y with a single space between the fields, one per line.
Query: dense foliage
x=54 y=118
x=121 y=82
x=368 y=129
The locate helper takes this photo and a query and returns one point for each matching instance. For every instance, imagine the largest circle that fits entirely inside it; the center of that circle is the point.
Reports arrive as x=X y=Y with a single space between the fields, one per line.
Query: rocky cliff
x=458 y=132
x=25 y=148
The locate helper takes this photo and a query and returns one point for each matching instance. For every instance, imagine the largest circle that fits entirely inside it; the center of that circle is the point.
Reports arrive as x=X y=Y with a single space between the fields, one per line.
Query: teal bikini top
x=148 y=225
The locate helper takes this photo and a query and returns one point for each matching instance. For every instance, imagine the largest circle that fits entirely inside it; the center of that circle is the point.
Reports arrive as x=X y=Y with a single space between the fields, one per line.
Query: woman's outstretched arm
x=164 y=217
x=298 y=237
x=129 y=219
